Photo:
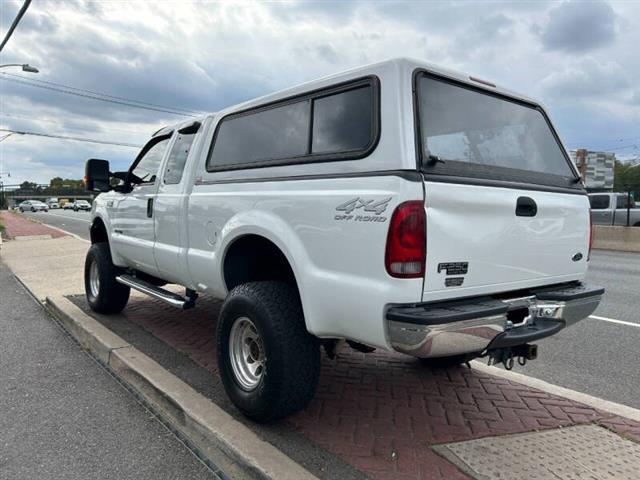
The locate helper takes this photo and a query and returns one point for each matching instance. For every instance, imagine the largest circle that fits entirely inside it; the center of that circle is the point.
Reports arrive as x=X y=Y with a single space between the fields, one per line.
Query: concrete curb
x=215 y=434
x=595 y=402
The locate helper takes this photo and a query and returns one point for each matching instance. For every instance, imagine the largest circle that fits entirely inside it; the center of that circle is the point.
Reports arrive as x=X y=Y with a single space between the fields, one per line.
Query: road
x=68 y=220
x=597 y=356
x=62 y=416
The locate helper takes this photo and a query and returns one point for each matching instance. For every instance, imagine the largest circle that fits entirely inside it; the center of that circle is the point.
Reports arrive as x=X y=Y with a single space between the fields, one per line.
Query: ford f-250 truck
x=396 y=206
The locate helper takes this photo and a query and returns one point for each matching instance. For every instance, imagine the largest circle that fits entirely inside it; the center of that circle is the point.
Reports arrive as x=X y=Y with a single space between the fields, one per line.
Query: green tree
x=56 y=183
x=626 y=178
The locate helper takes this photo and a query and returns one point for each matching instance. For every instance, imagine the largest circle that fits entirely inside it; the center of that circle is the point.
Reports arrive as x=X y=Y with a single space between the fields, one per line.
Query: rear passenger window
x=337 y=123
x=343 y=122
x=178 y=158
x=599 y=202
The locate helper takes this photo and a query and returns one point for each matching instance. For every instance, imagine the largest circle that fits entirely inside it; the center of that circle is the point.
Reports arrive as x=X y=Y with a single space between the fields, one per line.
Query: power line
x=130 y=100
x=39 y=119
x=75 y=139
x=93 y=97
x=15 y=23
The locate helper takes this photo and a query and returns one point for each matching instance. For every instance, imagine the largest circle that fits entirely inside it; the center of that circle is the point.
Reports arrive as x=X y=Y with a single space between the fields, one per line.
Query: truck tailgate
x=479 y=241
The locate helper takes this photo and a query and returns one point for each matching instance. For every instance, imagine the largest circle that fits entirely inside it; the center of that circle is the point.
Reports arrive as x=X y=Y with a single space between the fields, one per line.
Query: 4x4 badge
x=367 y=205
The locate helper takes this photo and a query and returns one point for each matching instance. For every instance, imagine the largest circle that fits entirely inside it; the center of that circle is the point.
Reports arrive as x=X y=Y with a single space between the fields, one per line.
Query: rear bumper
x=480 y=324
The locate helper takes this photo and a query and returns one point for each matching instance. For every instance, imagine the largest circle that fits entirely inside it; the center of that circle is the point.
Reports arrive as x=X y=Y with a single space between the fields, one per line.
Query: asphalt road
x=597 y=356
x=62 y=416
x=74 y=222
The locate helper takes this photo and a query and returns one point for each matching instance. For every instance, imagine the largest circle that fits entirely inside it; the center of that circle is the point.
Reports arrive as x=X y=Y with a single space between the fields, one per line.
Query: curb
x=595 y=402
x=212 y=432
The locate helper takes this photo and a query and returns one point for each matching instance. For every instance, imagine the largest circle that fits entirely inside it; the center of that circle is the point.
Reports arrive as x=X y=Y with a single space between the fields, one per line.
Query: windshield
x=461 y=124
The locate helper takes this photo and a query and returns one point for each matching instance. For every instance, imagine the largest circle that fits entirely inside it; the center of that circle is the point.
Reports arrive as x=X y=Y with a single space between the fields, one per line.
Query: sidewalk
x=64 y=417
x=385 y=414
x=19 y=227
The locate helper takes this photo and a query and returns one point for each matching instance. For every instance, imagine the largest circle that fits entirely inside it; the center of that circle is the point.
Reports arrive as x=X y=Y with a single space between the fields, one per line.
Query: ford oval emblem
x=577 y=257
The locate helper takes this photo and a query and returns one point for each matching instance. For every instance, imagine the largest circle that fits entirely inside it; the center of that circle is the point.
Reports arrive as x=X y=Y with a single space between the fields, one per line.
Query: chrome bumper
x=476 y=325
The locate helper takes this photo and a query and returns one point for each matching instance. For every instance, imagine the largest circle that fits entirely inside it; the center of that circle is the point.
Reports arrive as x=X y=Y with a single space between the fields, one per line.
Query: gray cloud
x=578 y=27
x=209 y=56
x=585 y=78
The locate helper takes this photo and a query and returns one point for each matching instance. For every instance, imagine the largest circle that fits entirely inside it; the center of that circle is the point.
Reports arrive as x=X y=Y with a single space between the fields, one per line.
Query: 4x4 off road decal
x=376 y=207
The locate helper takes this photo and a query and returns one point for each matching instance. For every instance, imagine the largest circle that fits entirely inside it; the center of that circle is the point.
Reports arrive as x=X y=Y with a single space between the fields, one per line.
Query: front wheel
x=33 y=210
x=104 y=293
x=268 y=362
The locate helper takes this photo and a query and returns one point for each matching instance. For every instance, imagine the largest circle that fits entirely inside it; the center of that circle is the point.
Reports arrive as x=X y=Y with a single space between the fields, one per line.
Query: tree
x=56 y=183
x=29 y=186
x=626 y=178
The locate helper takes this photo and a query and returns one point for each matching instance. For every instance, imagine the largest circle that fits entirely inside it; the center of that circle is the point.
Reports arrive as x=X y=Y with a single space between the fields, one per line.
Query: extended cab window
x=338 y=123
x=178 y=158
x=147 y=167
x=485 y=135
x=599 y=202
x=622 y=201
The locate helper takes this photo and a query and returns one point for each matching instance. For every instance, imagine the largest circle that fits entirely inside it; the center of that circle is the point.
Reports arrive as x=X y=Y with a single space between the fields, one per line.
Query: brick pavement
x=17 y=225
x=381 y=412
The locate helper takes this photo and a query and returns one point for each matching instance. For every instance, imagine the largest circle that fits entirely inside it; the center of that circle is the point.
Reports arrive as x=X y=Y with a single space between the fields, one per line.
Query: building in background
x=596 y=168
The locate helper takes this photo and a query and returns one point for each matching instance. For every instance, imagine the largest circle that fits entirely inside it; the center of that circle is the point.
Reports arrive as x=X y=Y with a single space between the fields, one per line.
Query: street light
x=25 y=67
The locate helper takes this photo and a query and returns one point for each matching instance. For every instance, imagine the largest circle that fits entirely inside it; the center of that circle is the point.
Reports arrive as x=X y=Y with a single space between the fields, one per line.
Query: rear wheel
x=268 y=362
x=104 y=293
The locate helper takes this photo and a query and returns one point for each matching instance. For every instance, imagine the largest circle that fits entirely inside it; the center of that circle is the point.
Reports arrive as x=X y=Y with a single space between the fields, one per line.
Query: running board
x=166 y=296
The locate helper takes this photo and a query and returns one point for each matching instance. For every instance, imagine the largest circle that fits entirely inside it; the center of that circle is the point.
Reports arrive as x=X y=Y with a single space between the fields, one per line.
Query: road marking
x=70 y=218
x=613 y=320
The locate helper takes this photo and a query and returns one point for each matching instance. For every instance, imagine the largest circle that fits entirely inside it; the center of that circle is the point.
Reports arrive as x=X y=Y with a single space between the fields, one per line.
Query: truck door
x=133 y=212
x=170 y=207
x=601 y=209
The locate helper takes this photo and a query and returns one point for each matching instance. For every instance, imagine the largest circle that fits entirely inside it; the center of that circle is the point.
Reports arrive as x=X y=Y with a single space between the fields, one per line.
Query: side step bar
x=166 y=296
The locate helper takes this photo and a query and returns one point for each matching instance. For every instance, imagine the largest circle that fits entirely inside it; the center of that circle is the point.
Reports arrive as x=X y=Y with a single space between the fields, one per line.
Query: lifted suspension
x=507 y=355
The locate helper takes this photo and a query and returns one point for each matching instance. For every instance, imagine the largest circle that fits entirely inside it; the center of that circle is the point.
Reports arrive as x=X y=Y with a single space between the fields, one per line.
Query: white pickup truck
x=396 y=206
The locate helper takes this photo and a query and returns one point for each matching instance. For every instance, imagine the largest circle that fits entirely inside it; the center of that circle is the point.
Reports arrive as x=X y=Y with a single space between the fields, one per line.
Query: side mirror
x=96 y=175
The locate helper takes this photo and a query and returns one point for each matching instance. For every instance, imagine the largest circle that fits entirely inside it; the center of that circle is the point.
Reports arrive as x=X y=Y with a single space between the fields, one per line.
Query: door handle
x=150 y=207
x=526 y=207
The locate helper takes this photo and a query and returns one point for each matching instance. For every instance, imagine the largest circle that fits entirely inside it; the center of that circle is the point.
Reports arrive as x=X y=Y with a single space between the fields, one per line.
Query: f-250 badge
x=377 y=207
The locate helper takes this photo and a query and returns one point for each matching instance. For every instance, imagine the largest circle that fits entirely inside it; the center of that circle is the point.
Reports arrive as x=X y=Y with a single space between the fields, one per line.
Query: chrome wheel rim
x=246 y=352
x=94 y=279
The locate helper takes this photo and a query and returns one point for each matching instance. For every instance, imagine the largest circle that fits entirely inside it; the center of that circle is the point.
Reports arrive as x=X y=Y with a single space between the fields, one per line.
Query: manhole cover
x=586 y=452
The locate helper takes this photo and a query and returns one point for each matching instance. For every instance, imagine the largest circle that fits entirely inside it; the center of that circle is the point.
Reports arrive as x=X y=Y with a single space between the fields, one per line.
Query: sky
x=581 y=59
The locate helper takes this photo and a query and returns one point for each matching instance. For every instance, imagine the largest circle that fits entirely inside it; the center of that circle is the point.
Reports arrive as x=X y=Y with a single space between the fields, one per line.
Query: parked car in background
x=81 y=205
x=33 y=206
x=611 y=209
x=53 y=203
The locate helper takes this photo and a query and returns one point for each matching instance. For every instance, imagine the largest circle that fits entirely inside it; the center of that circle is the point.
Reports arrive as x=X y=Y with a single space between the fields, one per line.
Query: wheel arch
x=241 y=233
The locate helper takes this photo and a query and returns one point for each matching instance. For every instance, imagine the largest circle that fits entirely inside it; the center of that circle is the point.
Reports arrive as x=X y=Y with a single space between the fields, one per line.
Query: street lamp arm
x=25 y=67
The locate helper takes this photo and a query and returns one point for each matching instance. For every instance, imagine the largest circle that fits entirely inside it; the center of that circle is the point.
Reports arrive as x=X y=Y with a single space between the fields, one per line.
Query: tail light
x=406 y=241
x=590 y=235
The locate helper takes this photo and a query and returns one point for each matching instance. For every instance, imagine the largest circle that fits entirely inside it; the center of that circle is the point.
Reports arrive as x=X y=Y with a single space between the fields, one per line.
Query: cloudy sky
x=582 y=59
